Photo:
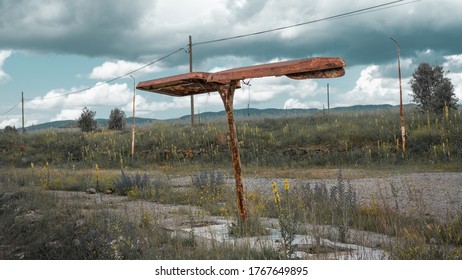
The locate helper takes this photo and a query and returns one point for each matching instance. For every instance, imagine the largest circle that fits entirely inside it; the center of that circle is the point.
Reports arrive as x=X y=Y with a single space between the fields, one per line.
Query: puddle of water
x=307 y=246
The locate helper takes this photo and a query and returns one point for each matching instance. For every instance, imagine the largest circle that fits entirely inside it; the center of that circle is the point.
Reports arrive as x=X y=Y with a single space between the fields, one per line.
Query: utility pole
x=328 y=101
x=190 y=70
x=133 y=117
x=401 y=111
x=22 y=101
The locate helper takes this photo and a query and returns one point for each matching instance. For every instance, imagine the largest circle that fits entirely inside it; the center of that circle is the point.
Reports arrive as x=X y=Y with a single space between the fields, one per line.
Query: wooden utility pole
x=401 y=110
x=190 y=71
x=328 y=101
x=133 y=117
x=22 y=101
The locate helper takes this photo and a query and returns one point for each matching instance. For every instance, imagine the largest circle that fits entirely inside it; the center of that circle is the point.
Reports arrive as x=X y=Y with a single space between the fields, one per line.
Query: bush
x=10 y=129
x=210 y=180
x=130 y=184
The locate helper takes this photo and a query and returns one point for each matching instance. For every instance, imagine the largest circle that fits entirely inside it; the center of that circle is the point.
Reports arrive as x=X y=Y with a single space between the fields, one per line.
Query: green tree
x=10 y=129
x=87 y=121
x=432 y=91
x=116 y=120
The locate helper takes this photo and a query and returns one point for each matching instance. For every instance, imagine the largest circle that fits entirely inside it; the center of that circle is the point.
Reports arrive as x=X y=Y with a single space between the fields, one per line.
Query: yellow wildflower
x=276 y=193
x=286 y=184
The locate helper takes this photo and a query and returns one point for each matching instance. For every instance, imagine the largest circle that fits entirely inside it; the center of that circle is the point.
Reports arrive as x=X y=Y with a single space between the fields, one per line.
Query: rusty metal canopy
x=203 y=82
x=180 y=85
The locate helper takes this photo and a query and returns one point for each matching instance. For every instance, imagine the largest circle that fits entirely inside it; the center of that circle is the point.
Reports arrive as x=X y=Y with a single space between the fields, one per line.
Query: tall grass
x=359 y=138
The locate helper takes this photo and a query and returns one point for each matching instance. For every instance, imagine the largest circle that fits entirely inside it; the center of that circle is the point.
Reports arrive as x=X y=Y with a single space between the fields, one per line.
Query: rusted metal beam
x=284 y=68
x=180 y=85
x=323 y=74
x=227 y=95
x=203 y=82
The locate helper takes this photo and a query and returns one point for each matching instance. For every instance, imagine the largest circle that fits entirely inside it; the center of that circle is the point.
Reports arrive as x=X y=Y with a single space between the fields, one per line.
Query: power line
x=342 y=15
x=114 y=79
x=11 y=109
x=382 y=8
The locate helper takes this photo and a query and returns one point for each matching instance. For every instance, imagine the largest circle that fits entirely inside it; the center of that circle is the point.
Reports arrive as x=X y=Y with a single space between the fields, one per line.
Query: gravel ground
x=432 y=194
x=437 y=195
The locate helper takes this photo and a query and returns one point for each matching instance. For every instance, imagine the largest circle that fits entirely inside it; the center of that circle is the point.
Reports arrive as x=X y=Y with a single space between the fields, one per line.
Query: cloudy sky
x=65 y=55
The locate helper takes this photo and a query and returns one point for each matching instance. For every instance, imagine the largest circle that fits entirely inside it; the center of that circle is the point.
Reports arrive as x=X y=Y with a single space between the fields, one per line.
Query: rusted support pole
x=227 y=95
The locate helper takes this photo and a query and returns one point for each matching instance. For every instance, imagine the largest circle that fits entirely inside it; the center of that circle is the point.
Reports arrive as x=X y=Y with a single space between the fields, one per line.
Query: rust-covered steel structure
x=225 y=82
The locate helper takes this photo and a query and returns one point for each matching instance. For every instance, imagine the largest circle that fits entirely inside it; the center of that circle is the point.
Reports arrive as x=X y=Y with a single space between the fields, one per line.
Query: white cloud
x=373 y=88
x=292 y=103
x=453 y=65
x=143 y=107
x=453 y=62
x=456 y=79
x=265 y=89
x=260 y=90
x=16 y=122
x=210 y=100
x=4 y=54
x=113 y=69
x=101 y=94
x=67 y=114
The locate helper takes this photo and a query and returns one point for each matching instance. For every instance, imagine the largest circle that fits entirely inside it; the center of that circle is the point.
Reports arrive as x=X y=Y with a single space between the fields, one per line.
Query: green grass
x=361 y=139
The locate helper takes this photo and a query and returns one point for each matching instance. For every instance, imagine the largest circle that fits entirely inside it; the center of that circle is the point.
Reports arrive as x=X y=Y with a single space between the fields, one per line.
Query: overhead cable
x=114 y=79
x=11 y=109
x=342 y=15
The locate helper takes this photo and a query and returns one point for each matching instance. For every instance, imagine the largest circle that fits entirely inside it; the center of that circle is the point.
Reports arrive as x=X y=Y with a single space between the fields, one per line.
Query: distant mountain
x=362 y=108
x=50 y=125
x=73 y=124
x=252 y=112
x=211 y=116
x=138 y=121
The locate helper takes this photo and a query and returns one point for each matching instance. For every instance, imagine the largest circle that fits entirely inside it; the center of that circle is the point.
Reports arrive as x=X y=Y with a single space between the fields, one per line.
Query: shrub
x=336 y=205
x=208 y=180
x=134 y=183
